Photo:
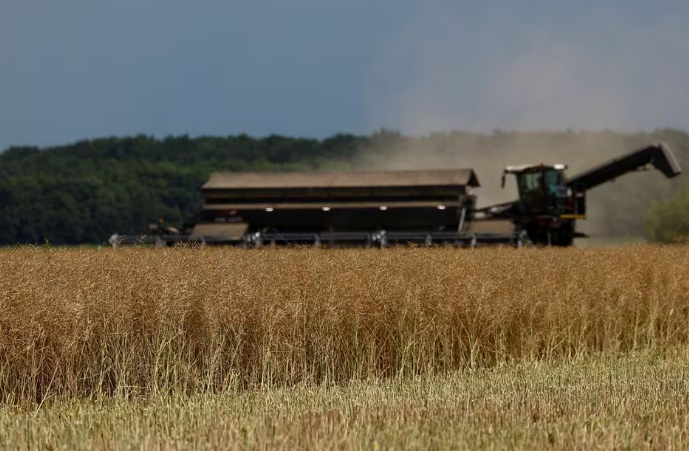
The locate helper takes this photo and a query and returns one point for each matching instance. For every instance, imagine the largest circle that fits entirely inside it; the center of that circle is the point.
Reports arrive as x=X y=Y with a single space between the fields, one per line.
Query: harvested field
x=131 y=329
x=634 y=403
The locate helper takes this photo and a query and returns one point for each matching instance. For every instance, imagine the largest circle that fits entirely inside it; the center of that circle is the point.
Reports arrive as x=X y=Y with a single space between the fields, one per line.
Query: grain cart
x=398 y=207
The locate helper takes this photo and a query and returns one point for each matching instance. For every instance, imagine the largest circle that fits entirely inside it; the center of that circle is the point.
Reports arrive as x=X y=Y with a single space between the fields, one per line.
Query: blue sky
x=74 y=69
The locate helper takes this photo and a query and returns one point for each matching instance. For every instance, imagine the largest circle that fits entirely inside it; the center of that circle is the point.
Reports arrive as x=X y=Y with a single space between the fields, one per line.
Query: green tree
x=668 y=220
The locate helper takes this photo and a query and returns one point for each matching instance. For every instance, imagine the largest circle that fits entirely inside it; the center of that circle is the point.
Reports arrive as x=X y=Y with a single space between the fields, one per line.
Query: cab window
x=531 y=182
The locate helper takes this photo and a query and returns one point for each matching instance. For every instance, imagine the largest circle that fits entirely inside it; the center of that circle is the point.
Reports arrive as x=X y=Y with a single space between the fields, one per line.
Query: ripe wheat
x=148 y=322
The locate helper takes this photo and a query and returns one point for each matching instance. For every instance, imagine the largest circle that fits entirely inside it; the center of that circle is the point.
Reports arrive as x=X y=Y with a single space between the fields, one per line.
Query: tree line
x=84 y=192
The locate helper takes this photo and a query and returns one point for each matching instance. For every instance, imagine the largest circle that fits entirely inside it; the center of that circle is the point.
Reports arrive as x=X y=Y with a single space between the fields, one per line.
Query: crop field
x=140 y=348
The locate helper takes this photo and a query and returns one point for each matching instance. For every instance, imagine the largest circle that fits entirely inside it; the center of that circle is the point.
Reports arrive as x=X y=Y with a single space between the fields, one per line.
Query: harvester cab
x=542 y=188
x=546 y=205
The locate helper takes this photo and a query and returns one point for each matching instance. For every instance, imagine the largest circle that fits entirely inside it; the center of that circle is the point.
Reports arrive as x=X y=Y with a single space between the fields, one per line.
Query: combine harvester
x=397 y=207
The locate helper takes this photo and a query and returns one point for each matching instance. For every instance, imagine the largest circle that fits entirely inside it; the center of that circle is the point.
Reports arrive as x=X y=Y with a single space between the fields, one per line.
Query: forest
x=82 y=193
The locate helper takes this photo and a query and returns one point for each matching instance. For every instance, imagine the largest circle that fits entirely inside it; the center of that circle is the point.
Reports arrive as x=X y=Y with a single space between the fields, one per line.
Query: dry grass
x=638 y=402
x=78 y=324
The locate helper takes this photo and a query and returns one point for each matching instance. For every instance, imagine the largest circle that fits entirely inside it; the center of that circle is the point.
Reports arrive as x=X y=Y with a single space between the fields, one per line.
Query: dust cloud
x=615 y=208
x=487 y=154
x=484 y=75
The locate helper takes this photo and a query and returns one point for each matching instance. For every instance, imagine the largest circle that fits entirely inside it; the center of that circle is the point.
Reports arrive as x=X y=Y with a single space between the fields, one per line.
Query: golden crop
x=146 y=322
